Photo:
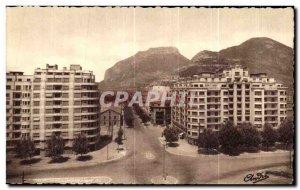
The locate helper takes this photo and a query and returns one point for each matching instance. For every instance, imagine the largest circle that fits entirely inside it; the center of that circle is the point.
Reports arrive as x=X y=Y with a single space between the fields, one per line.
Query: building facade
x=160 y=115
x=231 y=94
x=18 y=107
x=63 y=102
x=110 y=117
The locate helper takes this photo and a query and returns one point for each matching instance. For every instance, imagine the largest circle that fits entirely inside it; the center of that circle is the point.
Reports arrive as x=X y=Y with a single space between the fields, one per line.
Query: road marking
x=161 y=180
x=149 y=156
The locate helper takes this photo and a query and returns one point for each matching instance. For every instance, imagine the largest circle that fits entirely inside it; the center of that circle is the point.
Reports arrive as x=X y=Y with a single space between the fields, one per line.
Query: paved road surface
x=144 y=161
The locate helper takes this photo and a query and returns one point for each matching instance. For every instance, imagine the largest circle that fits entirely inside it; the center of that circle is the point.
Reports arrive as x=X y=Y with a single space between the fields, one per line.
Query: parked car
x=181 y=135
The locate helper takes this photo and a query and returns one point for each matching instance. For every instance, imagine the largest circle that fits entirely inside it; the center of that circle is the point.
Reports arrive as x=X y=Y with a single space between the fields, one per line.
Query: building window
x=257 y=112
x=36 y=103
x=257 y=119
x=36 y=87
x=257 y=93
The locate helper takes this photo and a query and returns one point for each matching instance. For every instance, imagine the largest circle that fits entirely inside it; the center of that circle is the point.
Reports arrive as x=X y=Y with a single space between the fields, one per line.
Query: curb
x=247 y=155
x=71 y=180
x=31 y=169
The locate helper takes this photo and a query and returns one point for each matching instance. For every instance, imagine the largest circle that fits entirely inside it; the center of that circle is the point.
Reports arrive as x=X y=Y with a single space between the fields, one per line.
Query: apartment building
x=18 y=105
x=231 y=94
x=63 y=102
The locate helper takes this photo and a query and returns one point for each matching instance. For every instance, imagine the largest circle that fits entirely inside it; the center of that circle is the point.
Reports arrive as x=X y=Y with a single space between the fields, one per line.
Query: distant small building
x=160 y=115
x=109 y=117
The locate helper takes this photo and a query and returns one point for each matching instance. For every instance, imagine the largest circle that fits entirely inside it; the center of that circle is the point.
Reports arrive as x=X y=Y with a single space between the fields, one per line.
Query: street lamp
x=111 y=129
x=164 y=162
x=107 y=151
x=23 y=177
x=123 y=120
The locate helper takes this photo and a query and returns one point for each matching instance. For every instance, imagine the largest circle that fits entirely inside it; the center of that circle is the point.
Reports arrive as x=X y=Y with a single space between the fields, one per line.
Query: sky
x=97 y=38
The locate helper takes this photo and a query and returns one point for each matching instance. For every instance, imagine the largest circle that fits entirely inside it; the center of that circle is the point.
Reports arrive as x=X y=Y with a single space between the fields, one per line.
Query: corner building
x=232 y=94
x=65 y=103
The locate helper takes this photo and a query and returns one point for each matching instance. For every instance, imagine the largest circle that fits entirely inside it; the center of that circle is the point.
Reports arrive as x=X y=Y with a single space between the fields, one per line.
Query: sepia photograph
x=130 y=95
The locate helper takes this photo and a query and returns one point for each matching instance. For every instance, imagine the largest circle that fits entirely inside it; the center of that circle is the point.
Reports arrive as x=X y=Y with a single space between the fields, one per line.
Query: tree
x=81 y=145
x=208 y=140
x=119 y=138
x=120 y=133
x=249 y=135
x=128 y=116
x=56 y=146
x=229 y=137
x=25 y=148
x=170 y=134
x=98 y=142
x=286 y=132
x=141 y=113
x=269 y=136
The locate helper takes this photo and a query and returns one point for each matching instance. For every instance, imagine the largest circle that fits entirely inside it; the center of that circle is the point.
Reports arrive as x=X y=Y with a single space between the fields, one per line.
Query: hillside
x=257 y=54
x=144 y=67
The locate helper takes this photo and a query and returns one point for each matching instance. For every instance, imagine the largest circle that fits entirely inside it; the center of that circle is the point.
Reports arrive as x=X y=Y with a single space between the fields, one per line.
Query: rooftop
x=115 y=109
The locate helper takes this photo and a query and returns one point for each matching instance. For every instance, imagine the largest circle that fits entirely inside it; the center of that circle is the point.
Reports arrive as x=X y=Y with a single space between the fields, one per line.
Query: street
x=144 y=161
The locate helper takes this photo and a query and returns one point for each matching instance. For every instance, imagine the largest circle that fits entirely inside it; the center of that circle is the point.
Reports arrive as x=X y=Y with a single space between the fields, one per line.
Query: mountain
x=203 y=55
x=158 y=65
x=144 y=68
x=257 y=54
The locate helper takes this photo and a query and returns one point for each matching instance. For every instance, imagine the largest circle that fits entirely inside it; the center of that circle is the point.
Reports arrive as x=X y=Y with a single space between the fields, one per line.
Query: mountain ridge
x=144 y=67
x=259 y=54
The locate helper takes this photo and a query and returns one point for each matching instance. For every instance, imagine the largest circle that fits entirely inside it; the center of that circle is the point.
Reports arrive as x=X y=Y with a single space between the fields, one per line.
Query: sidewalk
x=71 y=180
x=186 y=149
x=98 y=157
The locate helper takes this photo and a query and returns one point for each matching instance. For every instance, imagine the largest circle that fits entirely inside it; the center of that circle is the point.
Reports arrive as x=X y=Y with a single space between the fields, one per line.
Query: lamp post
x=23 y=177
x=291 y=159
x=108 y=131
x=107 y=151
x=164 y=162
x=123 y=119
